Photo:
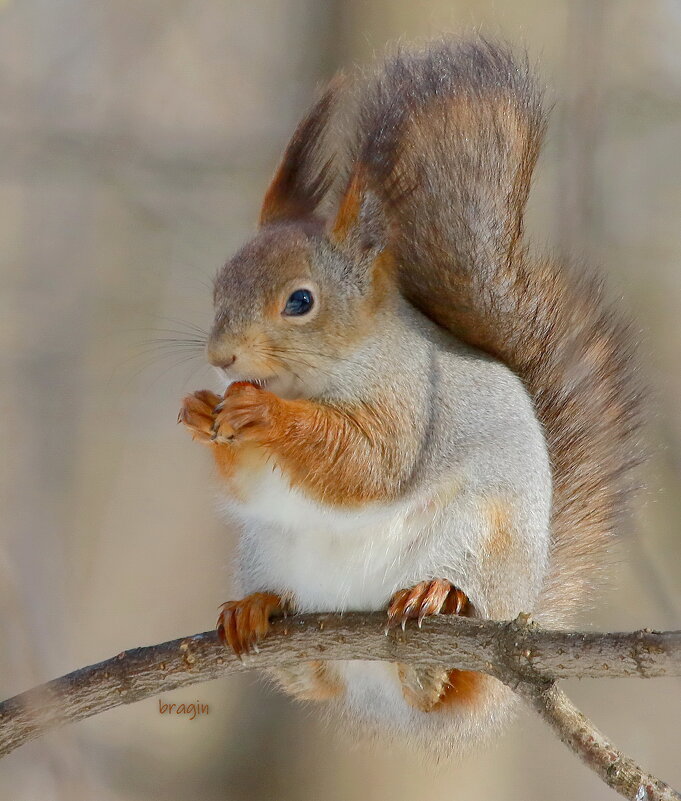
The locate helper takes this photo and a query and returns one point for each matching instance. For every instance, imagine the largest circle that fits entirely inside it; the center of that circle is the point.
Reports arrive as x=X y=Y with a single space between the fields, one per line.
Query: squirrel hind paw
x=243 y=624
x=425 y=599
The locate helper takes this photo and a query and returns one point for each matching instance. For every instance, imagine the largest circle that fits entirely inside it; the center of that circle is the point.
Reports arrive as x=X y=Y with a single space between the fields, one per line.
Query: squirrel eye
x=299 y=302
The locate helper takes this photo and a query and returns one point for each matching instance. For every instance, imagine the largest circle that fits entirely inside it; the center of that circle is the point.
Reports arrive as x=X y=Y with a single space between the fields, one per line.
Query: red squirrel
x=420 y=416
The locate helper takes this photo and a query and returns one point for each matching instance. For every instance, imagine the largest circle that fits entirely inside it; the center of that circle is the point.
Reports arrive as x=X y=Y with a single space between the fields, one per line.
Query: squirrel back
x=448 y=139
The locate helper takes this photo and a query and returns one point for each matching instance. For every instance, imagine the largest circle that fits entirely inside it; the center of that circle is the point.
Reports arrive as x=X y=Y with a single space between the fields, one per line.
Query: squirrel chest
x=328 y=558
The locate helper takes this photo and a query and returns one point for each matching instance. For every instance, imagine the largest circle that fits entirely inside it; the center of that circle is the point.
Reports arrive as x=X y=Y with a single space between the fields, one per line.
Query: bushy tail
x=451 y=137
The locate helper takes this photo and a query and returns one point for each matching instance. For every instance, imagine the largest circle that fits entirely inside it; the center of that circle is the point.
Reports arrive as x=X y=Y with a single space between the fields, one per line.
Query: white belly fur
x=331 y=559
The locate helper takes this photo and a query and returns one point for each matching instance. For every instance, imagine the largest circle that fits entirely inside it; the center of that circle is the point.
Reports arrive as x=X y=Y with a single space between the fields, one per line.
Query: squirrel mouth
x=258 y=382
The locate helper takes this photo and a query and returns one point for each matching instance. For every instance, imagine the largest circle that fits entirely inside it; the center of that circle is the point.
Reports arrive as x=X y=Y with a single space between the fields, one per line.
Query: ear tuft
x=303 y=176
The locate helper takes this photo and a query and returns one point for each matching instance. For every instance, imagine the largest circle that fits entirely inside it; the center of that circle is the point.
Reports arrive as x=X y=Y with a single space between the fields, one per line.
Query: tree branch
x=580 y=735
x=528 y=659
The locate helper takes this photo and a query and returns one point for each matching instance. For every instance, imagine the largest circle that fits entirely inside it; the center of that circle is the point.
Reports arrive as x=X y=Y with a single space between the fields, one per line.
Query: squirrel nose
x=225 y=363
x=218 y=359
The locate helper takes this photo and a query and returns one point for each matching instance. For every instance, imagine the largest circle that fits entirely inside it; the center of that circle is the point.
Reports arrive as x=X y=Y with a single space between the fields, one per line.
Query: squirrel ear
x=360 y=225
x=302 y=179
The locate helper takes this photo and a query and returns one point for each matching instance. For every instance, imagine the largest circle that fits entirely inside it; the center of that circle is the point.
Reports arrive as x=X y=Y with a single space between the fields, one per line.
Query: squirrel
x=419 y=415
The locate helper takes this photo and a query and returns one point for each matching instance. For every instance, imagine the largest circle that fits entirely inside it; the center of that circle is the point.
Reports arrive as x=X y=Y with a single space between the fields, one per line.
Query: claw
x=196 y=414
x=429 y=598
x=413 y=601
x=242 y=624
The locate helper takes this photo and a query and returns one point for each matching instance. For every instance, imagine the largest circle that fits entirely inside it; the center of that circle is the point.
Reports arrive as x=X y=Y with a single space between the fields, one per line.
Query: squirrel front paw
x=197 y=413
x=242 y=624
x=247 y=412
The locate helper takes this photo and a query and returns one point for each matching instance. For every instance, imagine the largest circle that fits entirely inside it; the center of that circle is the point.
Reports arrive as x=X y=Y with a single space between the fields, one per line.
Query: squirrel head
x=304 y=292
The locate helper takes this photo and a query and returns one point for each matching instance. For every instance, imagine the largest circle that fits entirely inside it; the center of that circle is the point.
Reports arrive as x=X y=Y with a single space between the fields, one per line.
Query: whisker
x=185 y=324
x=288 y=361
x=173 y=342
x=157 y=351
x=162 y=350
x=149 y=363
x=156 y=358
x=314 y=353
x=283 y=353
x=188 y=335
x=193 y=373
x=291 y=370
x=172 y=367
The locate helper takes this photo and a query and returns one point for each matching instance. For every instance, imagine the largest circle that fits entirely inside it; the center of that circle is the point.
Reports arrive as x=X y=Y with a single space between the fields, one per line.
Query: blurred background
x=136 y=140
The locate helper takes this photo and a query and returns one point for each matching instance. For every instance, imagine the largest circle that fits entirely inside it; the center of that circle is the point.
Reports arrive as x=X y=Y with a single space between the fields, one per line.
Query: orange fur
x=196 y=413
x=235 y=461
x=359 y=229
x=324 y=449
x=302 y=178
x=347 y=217
x=242 y=624
x=309 y=681
x=499 y=541
x=422 y=686
x=433 y=688
x=321 y=448
x=462 y=687
x=424 y=599
x=383 y=281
